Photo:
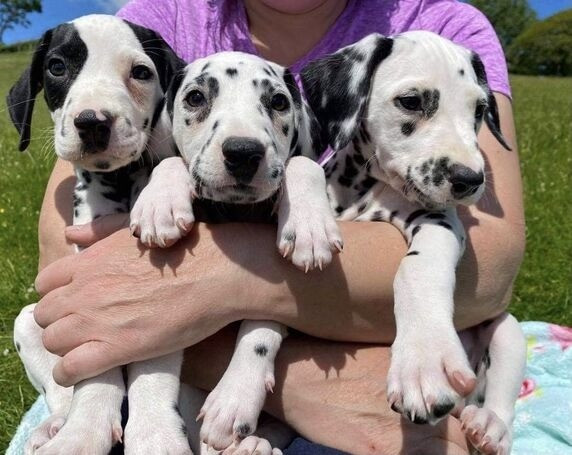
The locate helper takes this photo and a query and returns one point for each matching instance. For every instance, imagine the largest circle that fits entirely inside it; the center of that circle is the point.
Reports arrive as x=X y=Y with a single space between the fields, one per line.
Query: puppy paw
x=163 y=212
x=43 y=433
x=251 y=445
x=161 y=431
x=231 y=410
x=309 y=237
x=83 y=436
x=486 y=432
x=428 y=378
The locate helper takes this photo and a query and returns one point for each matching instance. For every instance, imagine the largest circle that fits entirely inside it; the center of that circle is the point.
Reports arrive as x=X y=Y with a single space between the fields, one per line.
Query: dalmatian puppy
x=402 y=115
x=240 y=123
x=104 y=81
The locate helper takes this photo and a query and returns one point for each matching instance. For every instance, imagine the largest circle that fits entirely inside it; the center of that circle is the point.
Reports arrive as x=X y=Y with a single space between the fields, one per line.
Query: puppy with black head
x=402 y=115
x=240 y=125
x=104 y=81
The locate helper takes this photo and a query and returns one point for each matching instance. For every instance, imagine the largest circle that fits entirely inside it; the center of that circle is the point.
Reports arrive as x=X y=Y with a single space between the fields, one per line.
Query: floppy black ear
x=173 y=89
x=337 y=87
x=492 y=114
x=22 y=95
x=166 y=61
x=306 y=140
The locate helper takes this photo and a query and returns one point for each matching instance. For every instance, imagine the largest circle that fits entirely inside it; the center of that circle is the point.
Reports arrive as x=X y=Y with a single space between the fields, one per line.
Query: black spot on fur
x=187 y=121
x=146 y=123
x=462 y=72
x=377 y=216
x=339 y=209
x=445 y=225
x=418 y=420
x=412 y=253
x=442 y=409
x=392 y=215
x=435 y=216
x=231 y=72
x=255 y=82
x=415 y=231
x=430 y=102
x=414 y=216
x=362 y=207
x=205 y=67
x=261 y=350
x=285 y=129
x=243 y=430
x=289 y=236
x=408 y=128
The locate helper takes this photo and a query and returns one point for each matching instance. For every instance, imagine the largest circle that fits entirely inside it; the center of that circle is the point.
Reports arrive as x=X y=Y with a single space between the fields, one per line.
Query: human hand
x=116 y=302
x=85 y=235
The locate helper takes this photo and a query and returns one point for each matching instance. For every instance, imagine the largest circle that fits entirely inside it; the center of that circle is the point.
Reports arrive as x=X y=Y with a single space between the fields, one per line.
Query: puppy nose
x=94 y=130
x=242 y=155
x=464 y=181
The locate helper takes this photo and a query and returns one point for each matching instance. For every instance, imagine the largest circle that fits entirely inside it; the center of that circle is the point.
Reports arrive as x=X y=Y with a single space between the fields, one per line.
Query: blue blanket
x=543 y=411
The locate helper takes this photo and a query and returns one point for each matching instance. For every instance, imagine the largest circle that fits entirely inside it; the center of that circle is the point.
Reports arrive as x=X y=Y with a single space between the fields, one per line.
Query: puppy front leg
x=163 y=211
x=39 y=364
x=155 y=424
x=307 y=230
x=489 y=429
x=232 y=409
x=429 y=369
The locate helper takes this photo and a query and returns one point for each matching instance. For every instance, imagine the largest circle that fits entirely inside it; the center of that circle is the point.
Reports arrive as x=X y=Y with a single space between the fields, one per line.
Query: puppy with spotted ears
x=239 y=123
x=402 y=115
x=104 y=81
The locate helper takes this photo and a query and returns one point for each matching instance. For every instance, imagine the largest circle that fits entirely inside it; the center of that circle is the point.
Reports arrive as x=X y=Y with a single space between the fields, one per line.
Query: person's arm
x=170 y=299
x=333 y=394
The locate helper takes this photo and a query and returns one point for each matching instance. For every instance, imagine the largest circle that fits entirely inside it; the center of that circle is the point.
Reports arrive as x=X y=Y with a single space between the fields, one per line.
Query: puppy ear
x=337 y=87
x=306 y=139
x=22 y=95
x=172 y=90
x=167 y=63
x=492 y=114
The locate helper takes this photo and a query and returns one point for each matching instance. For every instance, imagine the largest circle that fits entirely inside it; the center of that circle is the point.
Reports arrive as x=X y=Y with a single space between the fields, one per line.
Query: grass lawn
x=543 y=291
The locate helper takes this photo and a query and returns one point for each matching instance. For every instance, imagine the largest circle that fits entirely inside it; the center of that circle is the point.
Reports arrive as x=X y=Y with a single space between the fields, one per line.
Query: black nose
x=94 y=131
x=464 y=181
x=242 y=155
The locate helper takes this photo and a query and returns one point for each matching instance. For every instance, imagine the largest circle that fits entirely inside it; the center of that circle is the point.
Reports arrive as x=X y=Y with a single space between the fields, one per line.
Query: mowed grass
x=543 y=110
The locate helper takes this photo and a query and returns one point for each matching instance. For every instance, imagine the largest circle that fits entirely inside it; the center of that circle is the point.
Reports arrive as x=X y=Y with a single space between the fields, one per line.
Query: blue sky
x=57 y=11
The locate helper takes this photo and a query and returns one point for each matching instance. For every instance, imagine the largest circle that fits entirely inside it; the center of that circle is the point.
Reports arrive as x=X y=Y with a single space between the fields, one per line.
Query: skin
x=100 y=308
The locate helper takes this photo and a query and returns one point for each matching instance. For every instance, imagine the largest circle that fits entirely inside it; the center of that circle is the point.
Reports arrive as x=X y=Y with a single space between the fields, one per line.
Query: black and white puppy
x=104 y=81
x=238 y=121
x=403 y=115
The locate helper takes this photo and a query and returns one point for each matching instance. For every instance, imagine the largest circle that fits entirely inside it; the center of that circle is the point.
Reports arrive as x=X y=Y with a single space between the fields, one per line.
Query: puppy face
x=422 y=100
x=102 y=87
x=236 y=120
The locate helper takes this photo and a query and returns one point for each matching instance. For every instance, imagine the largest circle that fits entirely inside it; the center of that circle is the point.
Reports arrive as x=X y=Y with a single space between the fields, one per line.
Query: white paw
x=486 y=431
x=252 y=445
x=309 y=237
x=83 y=437
x=43 y=433
x=156 y=433
x=424 y=375
x=163 y=212
x=231 y=410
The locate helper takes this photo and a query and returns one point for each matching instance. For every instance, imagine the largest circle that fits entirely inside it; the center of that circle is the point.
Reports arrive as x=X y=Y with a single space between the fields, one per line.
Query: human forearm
x=331 y=393
x=56 y=214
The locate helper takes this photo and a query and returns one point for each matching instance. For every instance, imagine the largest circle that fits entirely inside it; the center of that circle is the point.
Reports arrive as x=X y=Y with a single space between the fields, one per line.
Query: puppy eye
x=195 y=98
x=410 y=103
x=56 y=67
x=141 y=73
x=279 y=102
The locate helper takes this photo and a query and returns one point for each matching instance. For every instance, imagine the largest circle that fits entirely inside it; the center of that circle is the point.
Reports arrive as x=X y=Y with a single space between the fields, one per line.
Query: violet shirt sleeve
x=467 y=26
x=158 y=15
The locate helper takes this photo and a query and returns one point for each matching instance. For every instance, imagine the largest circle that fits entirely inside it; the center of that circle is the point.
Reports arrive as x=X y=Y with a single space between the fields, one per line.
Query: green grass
x=543 y=110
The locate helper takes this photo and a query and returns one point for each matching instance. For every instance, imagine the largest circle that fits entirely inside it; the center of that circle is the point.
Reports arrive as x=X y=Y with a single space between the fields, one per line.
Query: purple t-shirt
x=197 y=28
